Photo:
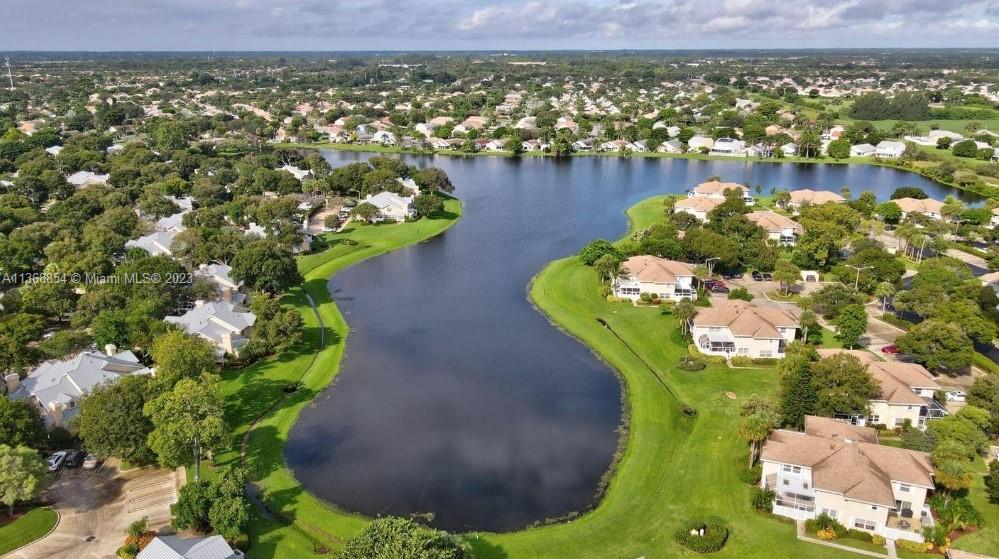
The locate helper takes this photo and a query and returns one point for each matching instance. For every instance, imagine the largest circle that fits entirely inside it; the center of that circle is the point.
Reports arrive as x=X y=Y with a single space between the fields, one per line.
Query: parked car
x=767 y=276
x=956 y=396
x=90 y=462
x=719 y=288
x=890 y=349
x=733 y=275
x=56 y=460
x=708 y=284
x=757 y=276
x=74 y=458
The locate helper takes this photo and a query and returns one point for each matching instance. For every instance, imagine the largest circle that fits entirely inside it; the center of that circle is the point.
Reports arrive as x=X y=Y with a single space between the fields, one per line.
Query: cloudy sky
x=492 y=24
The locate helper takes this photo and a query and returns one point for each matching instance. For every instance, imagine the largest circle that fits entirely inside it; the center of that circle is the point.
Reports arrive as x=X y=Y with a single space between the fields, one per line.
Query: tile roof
x=896 y=379
x=745 y=319
x=773 y=222
x=929 y=205
x=807 y=195
x=70 y=379
x=697 y=203
x=174 y=547
x=717 y=187
x=651 y=269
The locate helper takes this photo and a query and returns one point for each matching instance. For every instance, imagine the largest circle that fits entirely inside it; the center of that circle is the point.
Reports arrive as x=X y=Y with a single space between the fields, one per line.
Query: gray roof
x=215 y=319
x=173 y=547
x=218 y=273
x=65 y=381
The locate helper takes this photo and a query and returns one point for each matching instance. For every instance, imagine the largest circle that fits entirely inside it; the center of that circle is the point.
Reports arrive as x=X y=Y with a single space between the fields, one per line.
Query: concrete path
x=95 y=508
x=800 y=525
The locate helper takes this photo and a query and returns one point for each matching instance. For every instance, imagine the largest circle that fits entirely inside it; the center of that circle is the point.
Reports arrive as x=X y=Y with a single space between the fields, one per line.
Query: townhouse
x=698 y=206
x=739 y=328
x=779 y=228
x=716 y=191
x=929 y=207
x=392 y=207
x=806 y=196
x=225 y=325
x=666 y=279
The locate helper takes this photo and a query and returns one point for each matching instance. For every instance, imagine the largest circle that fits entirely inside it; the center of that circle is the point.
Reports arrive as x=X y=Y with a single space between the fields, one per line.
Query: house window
x=766 y=353
x=874 y=507
x=804 y=485
x=904 y=488
x=787 y=482
x=834 y=514
x=875 y=419
x=899 y=422
x=791 y=469
x=714 y=329
x=743 y=350
x=868 y=525
x=902 y=505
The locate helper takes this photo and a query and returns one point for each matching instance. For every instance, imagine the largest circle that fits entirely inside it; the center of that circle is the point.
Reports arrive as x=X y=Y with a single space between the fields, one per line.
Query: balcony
x=899 y=527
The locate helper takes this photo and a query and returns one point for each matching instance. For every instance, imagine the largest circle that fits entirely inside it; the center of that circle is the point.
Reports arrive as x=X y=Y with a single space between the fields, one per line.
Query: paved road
x=98 y=506
x=978 y=266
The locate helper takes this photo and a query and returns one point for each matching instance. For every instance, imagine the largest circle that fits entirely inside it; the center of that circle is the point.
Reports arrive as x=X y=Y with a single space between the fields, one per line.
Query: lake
x=459 y=401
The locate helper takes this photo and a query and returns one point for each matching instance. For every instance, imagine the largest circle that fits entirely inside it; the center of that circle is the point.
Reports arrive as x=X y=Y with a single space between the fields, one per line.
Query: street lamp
x=856 y=284
x=707 y=263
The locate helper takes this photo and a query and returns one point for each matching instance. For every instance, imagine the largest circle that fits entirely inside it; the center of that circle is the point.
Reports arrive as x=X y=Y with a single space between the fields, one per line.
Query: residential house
x=671 y=146
x=698 y=142
x=586 y=144
x=716 y=190
x=805 y=196
x=617 y=145
x=175 y=547
x=697 y=206
x=225 y=325
x=667 y=279
x=905 y=395
x=384 y=137
x=889 y=149
x=862 y=150
x=733 y=327
x=221 y=276
x=299 y=174
x=729 y=147
x=392 y=206
x=789 y=149
x=56 y=387
x=534 y=145
x=778 y=227
x=158 y=242
x=494 y=145
x=838 y=469
x=929 y=207
x=81 y=179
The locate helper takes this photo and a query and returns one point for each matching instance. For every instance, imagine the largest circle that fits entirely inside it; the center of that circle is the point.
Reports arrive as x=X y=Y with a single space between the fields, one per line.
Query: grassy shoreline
x=298 y=524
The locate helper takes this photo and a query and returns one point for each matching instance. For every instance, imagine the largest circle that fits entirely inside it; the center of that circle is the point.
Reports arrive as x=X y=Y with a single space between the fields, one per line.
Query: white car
x=90 y=462
x=956 y=396
x=55 y=461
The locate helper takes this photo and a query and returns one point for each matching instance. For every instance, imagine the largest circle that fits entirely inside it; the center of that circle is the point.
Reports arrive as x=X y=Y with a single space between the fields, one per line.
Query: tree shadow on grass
x=483 y=549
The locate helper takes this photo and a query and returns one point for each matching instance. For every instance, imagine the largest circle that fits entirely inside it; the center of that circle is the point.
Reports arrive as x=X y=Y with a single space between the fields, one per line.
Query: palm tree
x=884 y=291
x=807 y=319
x=787 y=275
x=608 y=267
x=759 y=417
x=685 y=312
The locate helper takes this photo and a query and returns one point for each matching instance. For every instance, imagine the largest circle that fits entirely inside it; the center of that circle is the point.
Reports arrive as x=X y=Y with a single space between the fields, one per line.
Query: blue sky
x=492 y=24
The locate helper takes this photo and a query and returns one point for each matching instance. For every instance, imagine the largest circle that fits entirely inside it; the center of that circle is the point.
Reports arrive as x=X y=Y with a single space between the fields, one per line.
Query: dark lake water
x=456 y=396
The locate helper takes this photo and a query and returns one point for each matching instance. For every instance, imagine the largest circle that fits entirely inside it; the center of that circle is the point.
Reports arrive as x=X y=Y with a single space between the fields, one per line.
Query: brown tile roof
x=716 y=187
x=895 y=378
x=697 y=203
x=830 y=428
x=745 y=319
x=859 y=470
x=809 y=196
x=773 y=222
x=651 y=269
x=928 y=205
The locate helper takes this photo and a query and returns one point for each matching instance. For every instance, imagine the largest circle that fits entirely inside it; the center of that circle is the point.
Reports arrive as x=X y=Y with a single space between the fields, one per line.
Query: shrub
x=740 y=293
x=750 y=476
x=860 y=535
x=128 y=551
x=690 y=363
x=645 y=298
x=666 y=307
x=709 y=359
x=826 y=534
x=742 y=361
x=825 y=522
x=906 y=545
x=769 y=361
x=878 y=540
x=763 y=499
x=937 y=535
x=702 y=537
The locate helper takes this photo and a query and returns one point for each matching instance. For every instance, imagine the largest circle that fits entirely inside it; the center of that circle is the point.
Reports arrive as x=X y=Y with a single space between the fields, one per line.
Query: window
x=787 y=482
x=904 y=488
x=791 y=469
x=874 y=507
x=899 y=422
x=804 y=485
x=862 y=524
x=902 y=505
x=766 y=353
x=875 y=419
x=834 y=514
x=743 y=350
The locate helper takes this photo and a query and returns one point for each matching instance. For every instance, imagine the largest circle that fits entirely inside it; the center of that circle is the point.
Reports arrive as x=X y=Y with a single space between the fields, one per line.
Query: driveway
x=96 y=507
x=978 y=265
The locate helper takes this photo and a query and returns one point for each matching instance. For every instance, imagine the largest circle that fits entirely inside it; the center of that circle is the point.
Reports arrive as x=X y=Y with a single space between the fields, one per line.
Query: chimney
x=13 y=381
x=56 y=411
x=110 y=350
x=199 y=302
x=227 y=342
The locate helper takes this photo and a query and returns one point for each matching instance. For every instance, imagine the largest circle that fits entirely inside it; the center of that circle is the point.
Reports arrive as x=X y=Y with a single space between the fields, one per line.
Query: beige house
x=732 y=327
x=716 y=190
x=906 y=393
x=929 y=207
x=807 y=196
x=697 y=206
x=668 y=279
x=839 y=469
x=778 y=227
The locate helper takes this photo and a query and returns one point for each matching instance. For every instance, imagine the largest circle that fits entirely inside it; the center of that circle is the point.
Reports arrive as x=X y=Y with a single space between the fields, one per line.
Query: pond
x=457 y=400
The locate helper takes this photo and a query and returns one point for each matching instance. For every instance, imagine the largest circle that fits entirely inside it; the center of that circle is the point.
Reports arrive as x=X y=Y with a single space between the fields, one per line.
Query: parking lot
x=96 y=506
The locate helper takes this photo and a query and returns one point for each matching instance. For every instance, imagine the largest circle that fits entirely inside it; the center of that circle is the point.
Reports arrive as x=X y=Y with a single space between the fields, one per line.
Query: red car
x=890 y=349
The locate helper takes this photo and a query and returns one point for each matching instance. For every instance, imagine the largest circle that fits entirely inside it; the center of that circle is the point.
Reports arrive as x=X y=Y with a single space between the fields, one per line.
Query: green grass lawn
x=301 y=522
x=26 y=529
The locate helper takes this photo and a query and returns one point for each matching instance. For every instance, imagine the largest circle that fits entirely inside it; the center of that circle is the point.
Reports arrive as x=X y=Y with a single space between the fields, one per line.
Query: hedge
x=714 y=538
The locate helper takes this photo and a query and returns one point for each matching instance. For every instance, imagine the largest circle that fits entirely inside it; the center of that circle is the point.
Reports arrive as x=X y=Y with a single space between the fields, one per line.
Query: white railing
x=795 y=513
x=896 y=534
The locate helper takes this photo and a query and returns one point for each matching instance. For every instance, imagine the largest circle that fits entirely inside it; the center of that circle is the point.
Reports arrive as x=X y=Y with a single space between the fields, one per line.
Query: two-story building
x=392 y=207
x=807 y=196
x=929 y=207
x=225 y=325
x=697 y=206
x=840 y=470
x=716 y=191
x=666 y=279
x=905 y=392
x=733 y=327
x=779 y=228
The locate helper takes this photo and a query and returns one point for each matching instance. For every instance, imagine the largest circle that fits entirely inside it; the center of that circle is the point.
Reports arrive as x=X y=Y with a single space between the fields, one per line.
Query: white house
x=224 y=324
x=698 y=142
x=716 y=191
x=929 y=207
x=862 y=150
x=671 y=146
x=905 y=395
x=56 y=387
x=668 y=279
x=697 y=206
x=789 y=149
x=221 y=275
x=175 y=547
x=995 y=217
x=778 y=227
x=299 y=174
x=166 y=228
x=81 y=179
x=392 y=206
x=838 y=469
x=730 y=147
x=733 y=327
x=889 y=149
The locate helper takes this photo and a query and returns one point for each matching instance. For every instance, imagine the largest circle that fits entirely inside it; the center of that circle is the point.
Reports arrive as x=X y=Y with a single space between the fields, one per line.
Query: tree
x=607 y=267
x=266 y=266
x=186 y=421
x=839 y=149
x=433 y=179
x=21 y=424
x=759 y=417
x=786 y=274
x=798 y=397
x=218 y=505
x=428 y=205
x=843 y=386
x=909 y=192
x=851 y=323
x=593 y=251
x=178 y=355
x=884 y=292
x=276 y=329
x=832 y=298
x=889 y=212
x=685 y=312
x=992 y=482
x=366 y=211
x=937 y=345
x=965 y=148
x=22 y=474
x=111 y=422
x=399 y=538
